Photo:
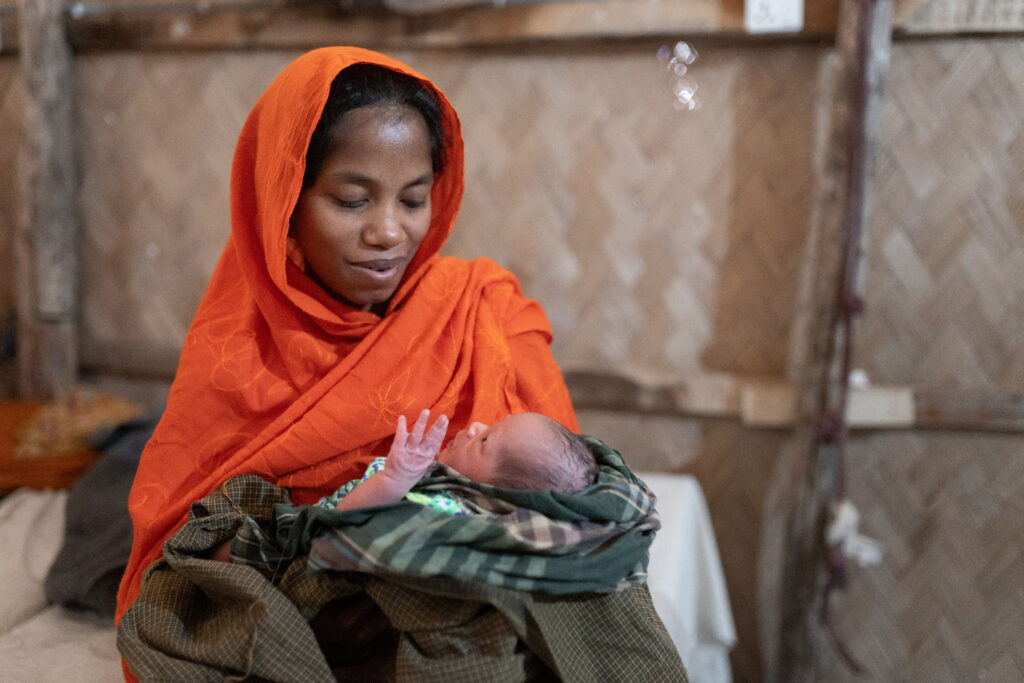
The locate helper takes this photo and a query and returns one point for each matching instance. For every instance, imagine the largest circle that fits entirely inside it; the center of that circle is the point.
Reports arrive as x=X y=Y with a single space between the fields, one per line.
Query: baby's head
x=522 y=451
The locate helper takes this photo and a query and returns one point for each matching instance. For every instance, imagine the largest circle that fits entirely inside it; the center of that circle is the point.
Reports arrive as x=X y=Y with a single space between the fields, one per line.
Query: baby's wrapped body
x=532 y=585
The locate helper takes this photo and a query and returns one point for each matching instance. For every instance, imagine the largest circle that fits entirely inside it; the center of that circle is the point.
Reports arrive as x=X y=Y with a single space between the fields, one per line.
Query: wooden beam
x=813 y=477
x=283 y=26
x=697 y=395
x=757 y=402
x=944 y=17
x=972 y=410
x=266 y=24
x=46 y=250
x=123 y=358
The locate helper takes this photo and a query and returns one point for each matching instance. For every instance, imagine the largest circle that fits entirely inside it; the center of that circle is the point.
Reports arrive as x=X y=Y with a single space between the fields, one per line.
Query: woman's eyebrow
x=363 y=179
x=351 y=177
x=425 y=179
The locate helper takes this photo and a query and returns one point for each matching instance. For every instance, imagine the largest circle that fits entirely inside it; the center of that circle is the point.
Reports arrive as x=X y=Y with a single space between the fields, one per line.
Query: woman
x=330 y=312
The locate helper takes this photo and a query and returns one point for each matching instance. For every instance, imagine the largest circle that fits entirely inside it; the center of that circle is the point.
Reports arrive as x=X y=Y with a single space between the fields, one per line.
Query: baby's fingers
x=435 y=437
x=401 y=433
x=421 y=425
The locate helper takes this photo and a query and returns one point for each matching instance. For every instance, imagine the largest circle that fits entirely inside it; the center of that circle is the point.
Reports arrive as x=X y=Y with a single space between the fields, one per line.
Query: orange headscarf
x=278 y=379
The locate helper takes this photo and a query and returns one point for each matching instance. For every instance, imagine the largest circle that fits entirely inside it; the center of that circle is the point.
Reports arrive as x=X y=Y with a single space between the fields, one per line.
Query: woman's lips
x=380 y=269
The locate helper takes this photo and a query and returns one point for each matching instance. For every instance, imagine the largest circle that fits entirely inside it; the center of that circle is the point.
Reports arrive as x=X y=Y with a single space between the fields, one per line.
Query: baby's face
x=475 y=451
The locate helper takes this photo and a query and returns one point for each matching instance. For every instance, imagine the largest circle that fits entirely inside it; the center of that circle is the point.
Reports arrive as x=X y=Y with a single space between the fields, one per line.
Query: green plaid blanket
x=385 y=617
x=594 y=541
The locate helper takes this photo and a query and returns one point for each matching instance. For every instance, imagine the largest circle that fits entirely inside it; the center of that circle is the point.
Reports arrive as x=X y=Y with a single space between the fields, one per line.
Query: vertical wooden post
x=47 y=245
x=815 y=478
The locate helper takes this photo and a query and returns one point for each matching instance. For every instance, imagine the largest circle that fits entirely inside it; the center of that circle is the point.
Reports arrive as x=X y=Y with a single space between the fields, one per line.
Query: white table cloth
x=686 y=579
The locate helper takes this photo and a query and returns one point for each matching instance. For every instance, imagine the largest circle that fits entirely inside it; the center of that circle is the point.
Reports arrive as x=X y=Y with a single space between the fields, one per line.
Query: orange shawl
x=278 y=379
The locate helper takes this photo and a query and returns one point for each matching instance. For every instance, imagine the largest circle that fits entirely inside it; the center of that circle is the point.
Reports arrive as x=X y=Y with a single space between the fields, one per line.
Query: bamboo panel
x=631 y=221
x=157 y=139
x=945 y=604
x=945 y=303
x=657 y=240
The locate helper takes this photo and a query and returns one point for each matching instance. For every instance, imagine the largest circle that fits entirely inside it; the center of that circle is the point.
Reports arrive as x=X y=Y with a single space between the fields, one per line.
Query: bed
x=40 y=641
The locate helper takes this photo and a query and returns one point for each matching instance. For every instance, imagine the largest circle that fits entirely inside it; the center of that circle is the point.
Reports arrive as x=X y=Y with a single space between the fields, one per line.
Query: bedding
x=98 y=529
x=40 y=642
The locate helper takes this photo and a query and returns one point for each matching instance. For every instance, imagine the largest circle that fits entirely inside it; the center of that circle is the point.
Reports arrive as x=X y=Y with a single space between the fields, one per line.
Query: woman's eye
x=349 y=203
x=414 y=203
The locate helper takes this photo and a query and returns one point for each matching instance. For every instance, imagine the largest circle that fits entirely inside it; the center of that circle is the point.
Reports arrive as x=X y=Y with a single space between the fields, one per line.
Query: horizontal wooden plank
x=929 y=17
x=1001 y=411
x=881 y=407
x=249 y=24
x=125 y=359
x=765 y=403
x=757 y=402
x=705 y=395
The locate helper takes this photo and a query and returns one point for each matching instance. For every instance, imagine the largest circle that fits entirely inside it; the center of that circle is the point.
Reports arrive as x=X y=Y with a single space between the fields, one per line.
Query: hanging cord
x=832 y=428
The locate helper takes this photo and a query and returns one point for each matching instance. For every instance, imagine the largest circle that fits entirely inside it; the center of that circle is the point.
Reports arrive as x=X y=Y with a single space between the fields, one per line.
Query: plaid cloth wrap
x=594 y=541
x=200 y=620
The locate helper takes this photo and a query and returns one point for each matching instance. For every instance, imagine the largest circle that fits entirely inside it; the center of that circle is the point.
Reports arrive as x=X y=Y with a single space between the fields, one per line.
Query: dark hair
x=365 y=85
x=569 y=469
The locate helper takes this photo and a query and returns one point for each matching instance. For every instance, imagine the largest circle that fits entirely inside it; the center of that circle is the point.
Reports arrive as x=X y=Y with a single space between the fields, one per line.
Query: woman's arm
x=408 y=460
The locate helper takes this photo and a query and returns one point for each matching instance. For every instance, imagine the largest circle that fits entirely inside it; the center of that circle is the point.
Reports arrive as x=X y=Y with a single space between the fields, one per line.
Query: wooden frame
x=250 y=24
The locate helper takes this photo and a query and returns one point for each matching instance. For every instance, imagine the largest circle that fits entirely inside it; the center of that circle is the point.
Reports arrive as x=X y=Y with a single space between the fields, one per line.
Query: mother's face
x=357 y=227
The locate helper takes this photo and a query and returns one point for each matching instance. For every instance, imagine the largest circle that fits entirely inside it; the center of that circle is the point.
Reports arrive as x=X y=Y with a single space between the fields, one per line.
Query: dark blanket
x=98 y=529
x=594 y=541
x=198 y=619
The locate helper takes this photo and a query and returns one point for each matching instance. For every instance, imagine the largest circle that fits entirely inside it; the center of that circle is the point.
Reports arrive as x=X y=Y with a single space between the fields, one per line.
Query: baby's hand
x=412 y=453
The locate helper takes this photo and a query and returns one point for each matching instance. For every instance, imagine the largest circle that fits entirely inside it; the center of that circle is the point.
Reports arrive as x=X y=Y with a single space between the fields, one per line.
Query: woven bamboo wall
x=944 y=295
x=662 y=242
x=946 y=603
x=944 y=307
x=630 y=223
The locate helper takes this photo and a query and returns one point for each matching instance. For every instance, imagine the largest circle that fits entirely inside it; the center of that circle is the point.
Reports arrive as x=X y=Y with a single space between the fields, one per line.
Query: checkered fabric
x=198 y=619
x=594 y=541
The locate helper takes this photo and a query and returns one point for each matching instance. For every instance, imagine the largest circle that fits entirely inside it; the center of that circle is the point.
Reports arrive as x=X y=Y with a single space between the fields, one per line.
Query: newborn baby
x=521 y=451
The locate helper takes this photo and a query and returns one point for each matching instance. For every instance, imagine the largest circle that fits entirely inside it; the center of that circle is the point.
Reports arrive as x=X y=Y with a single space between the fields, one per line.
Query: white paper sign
x=773 y=16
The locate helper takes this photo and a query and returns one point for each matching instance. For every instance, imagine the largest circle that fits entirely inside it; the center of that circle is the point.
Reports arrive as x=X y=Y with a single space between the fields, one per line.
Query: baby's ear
x=294 y=253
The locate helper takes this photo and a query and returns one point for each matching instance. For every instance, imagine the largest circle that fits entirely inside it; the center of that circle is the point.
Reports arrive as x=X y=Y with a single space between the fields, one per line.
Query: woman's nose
x=383 y=229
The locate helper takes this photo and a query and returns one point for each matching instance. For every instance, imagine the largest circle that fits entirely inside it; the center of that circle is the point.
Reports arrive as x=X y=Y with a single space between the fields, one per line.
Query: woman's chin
x=364 y=301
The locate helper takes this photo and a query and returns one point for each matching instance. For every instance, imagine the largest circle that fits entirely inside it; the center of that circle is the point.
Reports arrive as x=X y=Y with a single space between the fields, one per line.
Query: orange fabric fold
x=278 y=379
